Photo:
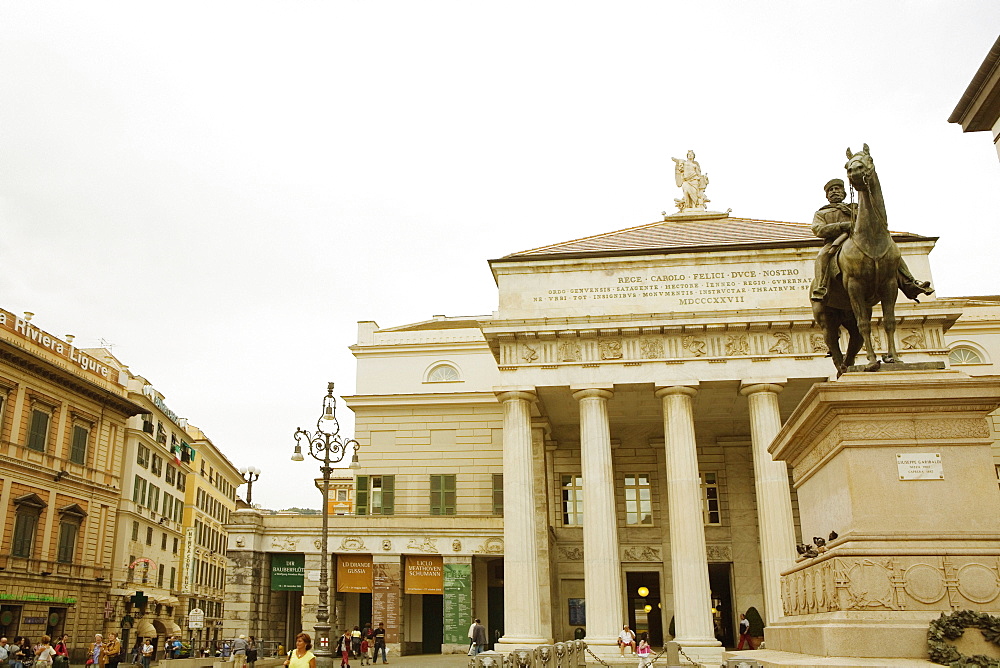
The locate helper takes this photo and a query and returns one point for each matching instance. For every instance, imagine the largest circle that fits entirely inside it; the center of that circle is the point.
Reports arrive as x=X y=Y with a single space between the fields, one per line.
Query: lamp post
x=250 y=475
x=328 y=448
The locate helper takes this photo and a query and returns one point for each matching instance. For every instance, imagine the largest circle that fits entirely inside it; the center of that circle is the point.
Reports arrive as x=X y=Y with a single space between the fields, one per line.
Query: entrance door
x=723 y=615
x=433 y=623
x=365 y=610
x=644 y=609
x=494 y=608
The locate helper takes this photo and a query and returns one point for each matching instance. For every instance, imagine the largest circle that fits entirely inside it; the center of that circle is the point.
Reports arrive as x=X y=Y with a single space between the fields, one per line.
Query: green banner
x=287 y=572
x=457 y=603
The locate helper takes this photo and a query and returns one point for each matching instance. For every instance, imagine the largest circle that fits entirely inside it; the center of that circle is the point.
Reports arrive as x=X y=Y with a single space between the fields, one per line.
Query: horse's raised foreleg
x=854 y=342
x=888 y=294
x=863 y=317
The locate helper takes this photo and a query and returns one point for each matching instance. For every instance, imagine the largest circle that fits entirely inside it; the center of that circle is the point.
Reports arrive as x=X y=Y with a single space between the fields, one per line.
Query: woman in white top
x=626 y=639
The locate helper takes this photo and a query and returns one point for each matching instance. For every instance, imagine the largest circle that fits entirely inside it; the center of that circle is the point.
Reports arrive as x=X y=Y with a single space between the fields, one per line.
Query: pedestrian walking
x=147 y=653
x=251 y=652
x=644 y=651
x=366 y=659
x=97 y=656
x=744 y=633
x=62 y=653
x=478 y=634
x=113 y=650
x=240 y=651
x=301 y=656
x=44 y=654
x=344 y=648
x=356 y=642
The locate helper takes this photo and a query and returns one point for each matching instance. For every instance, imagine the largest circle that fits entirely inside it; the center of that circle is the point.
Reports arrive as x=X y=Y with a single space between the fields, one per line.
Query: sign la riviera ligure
x=24 y=330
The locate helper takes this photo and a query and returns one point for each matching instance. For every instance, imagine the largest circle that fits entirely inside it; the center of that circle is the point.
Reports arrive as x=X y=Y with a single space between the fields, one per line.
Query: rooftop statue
x=688 y=177
x=859 y=266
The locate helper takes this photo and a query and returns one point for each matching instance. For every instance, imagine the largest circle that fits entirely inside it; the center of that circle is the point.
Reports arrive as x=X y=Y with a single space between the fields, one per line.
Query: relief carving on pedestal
x=695 y=346
x=651 y=349
x=611 y=349
x=818 y=343
x=783 y=344
x=643 y=553
x=352 y=543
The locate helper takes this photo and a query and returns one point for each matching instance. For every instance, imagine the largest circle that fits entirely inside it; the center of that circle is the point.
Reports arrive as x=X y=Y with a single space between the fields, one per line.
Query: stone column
x=601 y=565
x=774 y=500
x=688 y=558
x=521 y=595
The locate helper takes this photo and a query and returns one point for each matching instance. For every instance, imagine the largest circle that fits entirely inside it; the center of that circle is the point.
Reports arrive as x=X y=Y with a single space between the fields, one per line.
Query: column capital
x=525 y=393
x=685 y=389
x=590 y=391
x=753 y=388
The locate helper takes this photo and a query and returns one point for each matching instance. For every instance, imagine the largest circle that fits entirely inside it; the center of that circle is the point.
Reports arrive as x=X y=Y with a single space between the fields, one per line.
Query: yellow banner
x=354 y=573
x=424 y=575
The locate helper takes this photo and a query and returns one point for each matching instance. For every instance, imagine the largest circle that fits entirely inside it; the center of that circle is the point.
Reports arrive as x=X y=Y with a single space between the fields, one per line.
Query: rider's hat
x=833 y=182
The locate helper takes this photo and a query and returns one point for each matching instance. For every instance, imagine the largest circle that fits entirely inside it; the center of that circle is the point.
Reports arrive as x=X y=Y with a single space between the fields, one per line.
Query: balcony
x=10 y=564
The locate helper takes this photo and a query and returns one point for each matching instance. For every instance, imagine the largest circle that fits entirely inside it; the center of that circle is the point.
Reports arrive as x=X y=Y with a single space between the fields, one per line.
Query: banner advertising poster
x=457 y=603
x=354 y=573
x=424 y=575
x=287 y=572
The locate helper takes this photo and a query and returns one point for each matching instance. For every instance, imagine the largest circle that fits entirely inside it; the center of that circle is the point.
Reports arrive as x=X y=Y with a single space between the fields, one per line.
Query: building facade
x=600 y=440
x=63 y=427
x=979 y=108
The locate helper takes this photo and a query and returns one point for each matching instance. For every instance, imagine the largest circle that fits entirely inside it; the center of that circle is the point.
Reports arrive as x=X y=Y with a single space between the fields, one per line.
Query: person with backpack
x=62 y=652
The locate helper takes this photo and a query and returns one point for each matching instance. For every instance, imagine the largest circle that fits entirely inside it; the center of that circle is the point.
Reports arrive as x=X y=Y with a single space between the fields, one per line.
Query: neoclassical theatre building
x=591 y=454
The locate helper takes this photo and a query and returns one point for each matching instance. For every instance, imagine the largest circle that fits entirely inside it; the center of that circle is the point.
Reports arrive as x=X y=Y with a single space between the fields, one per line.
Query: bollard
x=521 y=658
x=488 y=659
x=544 y=657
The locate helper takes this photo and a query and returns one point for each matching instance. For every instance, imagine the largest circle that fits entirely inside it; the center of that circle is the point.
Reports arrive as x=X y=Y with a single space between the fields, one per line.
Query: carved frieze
x=695 y=345
x=720 y=552
x=893 y=583
x=571 y=553
x=912 y=341
x=569 y=351
x=492 y=545
x=818 y=343
x=651 y=349
x=641 y=553
x=528 y=354
x=284 y=543
x=352 y=543
x=782 y=344
x=424 y=544
x=611 y=348
x=737 y=345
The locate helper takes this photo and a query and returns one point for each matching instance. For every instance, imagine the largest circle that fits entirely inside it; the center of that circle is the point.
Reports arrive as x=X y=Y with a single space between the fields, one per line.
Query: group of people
x=44 y=654
x=642 y=650
x=364 y=644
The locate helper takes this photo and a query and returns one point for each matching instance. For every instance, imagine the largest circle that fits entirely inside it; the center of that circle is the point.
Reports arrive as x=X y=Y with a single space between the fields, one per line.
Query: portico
x=659 y=371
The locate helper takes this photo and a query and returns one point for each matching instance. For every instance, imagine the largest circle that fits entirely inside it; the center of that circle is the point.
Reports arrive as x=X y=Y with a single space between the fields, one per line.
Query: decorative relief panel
x=571 y=553
x=569 y=351
x=352 y=543
x=695 y=346
x=893 y=583
x=719 y=552
x=651 y=349
x=492 y=545
x=782 y=344
x=641 y=553
x=611 y=349
x=424 y=544
x=737 y=346
x=284 y=543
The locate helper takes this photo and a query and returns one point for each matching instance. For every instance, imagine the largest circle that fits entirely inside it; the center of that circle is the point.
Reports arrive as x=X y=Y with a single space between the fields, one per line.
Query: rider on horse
x=833 y=223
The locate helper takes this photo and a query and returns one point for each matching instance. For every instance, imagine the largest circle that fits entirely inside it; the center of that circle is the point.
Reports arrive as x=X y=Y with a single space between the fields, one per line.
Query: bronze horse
x=866 y=268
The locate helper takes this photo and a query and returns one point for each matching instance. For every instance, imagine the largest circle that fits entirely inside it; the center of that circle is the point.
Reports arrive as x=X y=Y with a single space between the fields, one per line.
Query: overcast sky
x=222 y=189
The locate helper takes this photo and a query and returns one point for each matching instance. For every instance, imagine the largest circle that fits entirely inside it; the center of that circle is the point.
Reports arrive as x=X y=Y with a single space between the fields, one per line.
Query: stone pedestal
x=900 y=466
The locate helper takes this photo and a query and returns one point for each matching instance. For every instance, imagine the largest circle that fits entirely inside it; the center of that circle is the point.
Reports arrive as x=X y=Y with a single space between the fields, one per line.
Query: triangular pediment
x=678 y=234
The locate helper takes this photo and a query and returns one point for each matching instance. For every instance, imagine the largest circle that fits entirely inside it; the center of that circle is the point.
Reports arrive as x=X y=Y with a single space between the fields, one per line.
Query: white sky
x=222 y=189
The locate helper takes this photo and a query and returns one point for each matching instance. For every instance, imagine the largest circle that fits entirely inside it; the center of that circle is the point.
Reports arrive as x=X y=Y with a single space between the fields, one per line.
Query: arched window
x=964 y=355
x=443 y=373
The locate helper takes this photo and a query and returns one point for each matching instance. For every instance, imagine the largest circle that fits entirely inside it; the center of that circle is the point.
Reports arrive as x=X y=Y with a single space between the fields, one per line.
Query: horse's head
x=859 y=168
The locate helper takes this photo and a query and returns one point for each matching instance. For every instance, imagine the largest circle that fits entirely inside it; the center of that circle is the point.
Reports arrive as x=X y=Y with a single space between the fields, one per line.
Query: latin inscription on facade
x=657 y=289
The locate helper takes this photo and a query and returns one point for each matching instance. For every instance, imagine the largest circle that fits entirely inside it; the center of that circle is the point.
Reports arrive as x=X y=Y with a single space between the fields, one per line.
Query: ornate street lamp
x=327 y=447
x=250 y=475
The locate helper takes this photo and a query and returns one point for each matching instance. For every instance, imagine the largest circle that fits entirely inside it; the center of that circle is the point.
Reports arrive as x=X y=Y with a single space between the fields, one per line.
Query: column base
x=510 y=643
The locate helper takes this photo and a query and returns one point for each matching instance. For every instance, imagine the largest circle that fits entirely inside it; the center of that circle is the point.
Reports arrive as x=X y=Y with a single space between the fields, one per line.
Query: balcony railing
x=12 y=564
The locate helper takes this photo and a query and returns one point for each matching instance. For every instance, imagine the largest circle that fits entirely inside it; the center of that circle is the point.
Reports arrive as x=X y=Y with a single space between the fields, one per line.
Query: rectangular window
x=175 y=546
x=173 y=577
x=168 y=506
x=78 y=452
x=572 y=500
x=498 y=494
x=135 y=531
x=142 y=456
x=67 y=542
x=154 y=498
x=710 y=498
x=376 y=495
x=129 y=571
x=139 y=491
x=38 y=433
x=442 y=495
x=161 y=433
x=181 y=481
x=170 y=475
x=638 y=501
x=159 y=576
x=149 y=535
x=178 y=511
x=163 y=542
x=157 y=465
x=25 y=523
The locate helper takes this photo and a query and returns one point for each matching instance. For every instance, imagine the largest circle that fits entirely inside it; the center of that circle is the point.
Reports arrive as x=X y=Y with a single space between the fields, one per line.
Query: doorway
x=645 y=614
x=723 y=615
x=433 y=623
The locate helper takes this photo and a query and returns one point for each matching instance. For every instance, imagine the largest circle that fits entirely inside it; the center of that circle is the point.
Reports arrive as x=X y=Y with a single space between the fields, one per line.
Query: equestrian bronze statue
x=859 y=266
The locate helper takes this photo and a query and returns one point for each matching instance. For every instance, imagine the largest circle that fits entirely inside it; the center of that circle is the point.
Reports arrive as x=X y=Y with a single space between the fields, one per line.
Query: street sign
x=196 y=619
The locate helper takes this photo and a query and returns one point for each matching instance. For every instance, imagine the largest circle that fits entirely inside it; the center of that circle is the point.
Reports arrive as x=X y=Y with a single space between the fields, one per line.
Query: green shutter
x=449 y=494
x=24 y=534
x=78 y=453
x=361 y=495
x=67 y=542
x=388 y=495
x=38 y=431
x=436 y=494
